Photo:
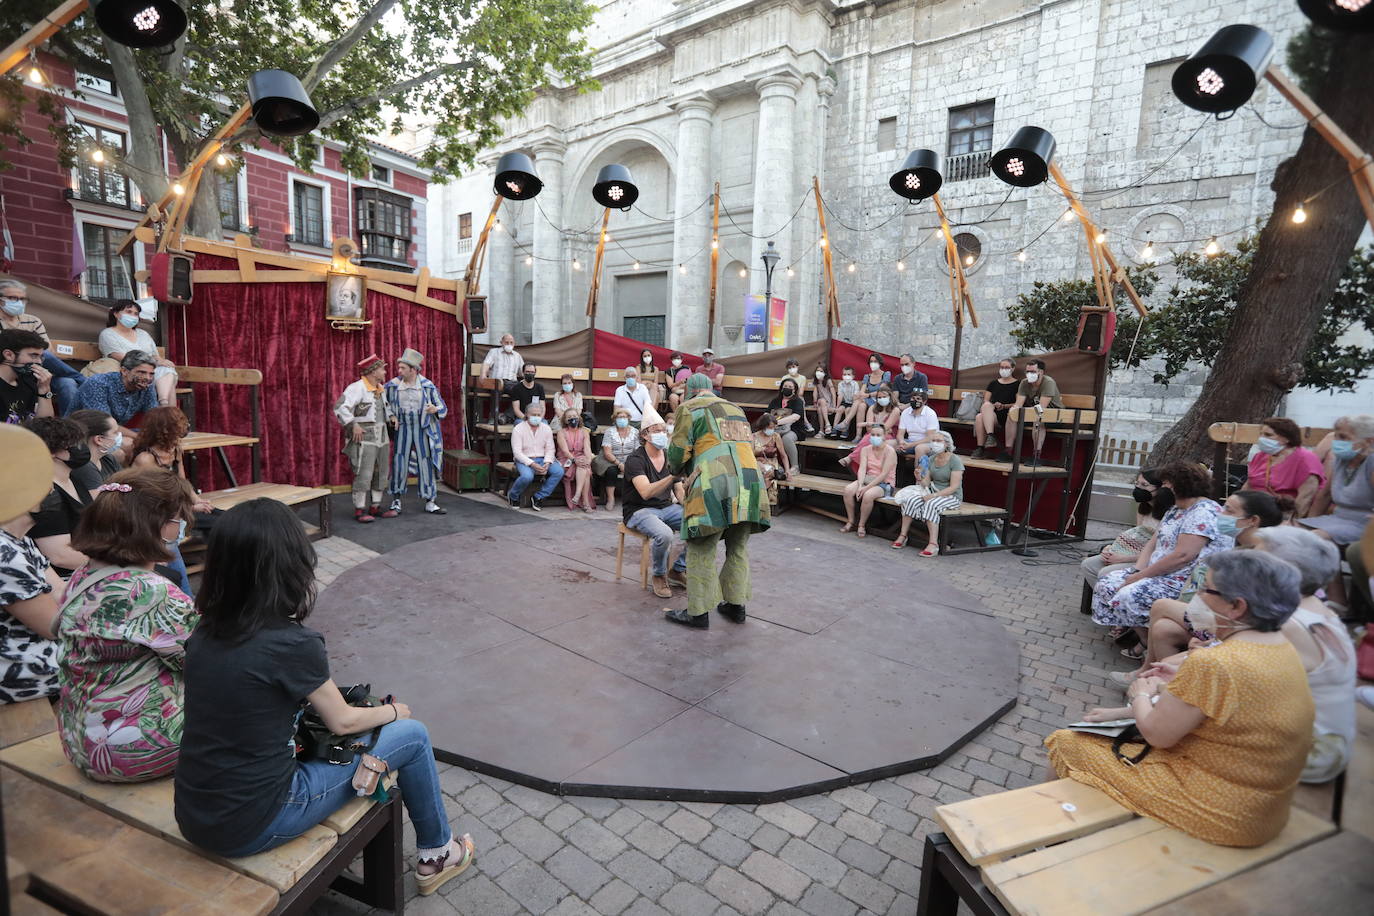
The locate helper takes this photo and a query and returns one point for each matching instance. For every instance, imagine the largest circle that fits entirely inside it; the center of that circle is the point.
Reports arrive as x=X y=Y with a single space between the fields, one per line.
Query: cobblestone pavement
x=854 y=850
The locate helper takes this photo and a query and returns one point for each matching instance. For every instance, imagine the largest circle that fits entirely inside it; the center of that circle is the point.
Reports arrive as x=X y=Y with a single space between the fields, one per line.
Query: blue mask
x=1342 y=450
x=631 y=383
x=660 y=440
x=1226 y=526
x=14 y=307
x=535 y=421
x=622 y=422
x=129 y=321
x=567 y=386
x=1269 y=445
x=875 y=440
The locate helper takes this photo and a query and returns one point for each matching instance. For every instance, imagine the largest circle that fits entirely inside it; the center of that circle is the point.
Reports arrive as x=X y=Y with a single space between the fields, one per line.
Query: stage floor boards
x=527 y=660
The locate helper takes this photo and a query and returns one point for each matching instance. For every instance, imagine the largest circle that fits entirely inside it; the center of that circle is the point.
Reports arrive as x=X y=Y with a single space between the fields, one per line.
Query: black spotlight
x=140 y=23
x=515 y=178
x=280 y=105
x=1025 y=160
x=615 y=188
x=919 y=177
x=1224 y=72
x=1347 y=15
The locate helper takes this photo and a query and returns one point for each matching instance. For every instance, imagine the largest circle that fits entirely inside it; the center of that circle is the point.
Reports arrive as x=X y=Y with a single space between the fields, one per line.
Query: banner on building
x=777 y=323
x=759 y=321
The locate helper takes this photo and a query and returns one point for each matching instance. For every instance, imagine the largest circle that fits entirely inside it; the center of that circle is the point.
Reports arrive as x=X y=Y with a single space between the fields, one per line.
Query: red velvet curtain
x=280 y=329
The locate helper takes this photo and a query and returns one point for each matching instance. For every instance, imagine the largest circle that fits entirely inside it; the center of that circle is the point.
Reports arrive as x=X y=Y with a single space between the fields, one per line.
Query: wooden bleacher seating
x=645 y=553
x=1225 y=435
x=1065 y=848
x=20 y=722
x=292 y=875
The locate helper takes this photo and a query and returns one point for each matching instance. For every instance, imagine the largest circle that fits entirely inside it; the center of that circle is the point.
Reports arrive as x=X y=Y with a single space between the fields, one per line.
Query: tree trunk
x=1295 y=268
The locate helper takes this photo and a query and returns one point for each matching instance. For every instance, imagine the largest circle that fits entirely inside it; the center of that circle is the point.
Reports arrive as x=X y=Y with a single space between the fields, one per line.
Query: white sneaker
x=395 y=505
x=1365 y=695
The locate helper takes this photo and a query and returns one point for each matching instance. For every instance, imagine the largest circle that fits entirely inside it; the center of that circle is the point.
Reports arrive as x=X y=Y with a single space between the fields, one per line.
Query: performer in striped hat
x=415 y=407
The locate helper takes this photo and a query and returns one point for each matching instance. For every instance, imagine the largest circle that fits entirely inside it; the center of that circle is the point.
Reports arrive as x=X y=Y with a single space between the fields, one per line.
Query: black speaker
x=475 y=313
x=1096 y=330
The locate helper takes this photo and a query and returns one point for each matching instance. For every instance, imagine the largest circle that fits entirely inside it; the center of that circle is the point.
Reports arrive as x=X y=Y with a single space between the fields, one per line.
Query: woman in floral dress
x=1187 y=534
x=123 y=630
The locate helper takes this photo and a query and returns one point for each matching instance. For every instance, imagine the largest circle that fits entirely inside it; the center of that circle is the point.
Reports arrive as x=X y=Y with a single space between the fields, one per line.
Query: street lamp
x=770 y=258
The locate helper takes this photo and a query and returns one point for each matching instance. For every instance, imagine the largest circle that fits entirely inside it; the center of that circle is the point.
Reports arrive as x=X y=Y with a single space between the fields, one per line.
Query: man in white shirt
x=917 y=427
x=503 y=362
x=633 y=396
x=531 y=445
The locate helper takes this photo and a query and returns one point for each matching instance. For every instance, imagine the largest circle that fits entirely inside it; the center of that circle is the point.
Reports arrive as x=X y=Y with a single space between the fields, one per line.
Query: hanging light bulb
x=1021 y=255
x=636 y=265
x=682 y=268
x=1299 y=215
x=823 y=242
x=528 y=260
x=968 y=260
x=1212 y=247
x=715 y=243
x=1148 y=252
x=178 y=189
x=221 y=160
x=791 y=272
x=939 y=233
x=497 y=225
x=35 y=76
x=901 y=265
x=851 y=268
x=605 y=236
x=98 y=155
x=577 y=265
x=1100 y=237
x=743 y=273
x=1068 y=215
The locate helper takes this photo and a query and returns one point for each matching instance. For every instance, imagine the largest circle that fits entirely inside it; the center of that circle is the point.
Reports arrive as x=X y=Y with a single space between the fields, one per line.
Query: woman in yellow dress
x=1229 y=728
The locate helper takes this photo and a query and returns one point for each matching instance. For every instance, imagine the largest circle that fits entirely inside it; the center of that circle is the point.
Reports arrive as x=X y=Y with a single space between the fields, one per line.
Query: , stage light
x=1025 y=161
x=1213 y=248
x=919 y=176
x=1224 y=72
x=1021 y=255
x=140 y=23
x=516 y=178
x=1299 y=215
x=98 y=155
x=615 y=187
x=280 y=104
x=1348 y=15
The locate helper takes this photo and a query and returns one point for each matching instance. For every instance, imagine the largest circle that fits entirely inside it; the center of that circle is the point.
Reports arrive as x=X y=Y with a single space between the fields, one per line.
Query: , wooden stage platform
x=527 y=660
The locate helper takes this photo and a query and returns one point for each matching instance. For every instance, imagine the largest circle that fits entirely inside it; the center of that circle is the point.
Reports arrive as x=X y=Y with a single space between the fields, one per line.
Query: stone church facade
x=764 y=97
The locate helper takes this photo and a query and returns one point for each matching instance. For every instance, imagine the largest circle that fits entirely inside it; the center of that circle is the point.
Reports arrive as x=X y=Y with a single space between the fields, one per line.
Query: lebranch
x=400 y=88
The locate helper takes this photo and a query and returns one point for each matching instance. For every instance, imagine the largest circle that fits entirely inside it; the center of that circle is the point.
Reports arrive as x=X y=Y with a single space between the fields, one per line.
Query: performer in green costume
x=713 y=448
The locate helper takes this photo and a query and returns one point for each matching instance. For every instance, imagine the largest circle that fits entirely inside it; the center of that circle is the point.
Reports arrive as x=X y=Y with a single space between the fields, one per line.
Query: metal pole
x=767 y=304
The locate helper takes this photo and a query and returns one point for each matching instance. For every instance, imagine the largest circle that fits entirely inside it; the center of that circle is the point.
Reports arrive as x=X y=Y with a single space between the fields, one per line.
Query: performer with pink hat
x=362 y=412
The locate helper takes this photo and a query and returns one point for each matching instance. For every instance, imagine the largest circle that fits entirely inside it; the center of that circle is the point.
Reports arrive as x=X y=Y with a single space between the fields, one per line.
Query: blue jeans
x=65 y=381
x=524 y=473
x=178 y=566
x=320 y=788
x=662 y=525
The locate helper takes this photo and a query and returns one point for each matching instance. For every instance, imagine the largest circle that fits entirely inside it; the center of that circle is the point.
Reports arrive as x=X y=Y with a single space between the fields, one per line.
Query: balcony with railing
x=967 y=166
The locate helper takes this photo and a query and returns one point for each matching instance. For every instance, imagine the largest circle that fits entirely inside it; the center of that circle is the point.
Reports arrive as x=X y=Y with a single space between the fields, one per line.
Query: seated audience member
x=909 y=381
x=650 y=378
x=524 y=391
x=1150 y=505
x=1176 y=621
x=789 y=411
x=159 y=446
x=939 y=489
x=824 y=399
x=1187 y=533
x=848 y=407
x=28 y=586
x=564 y=400
x=503 y=362
x=1282 y=467
x=678 y=373
x=1345 y=504
x=573 y=446
x=712 y=370
x=1037 y=390
x=618 y=442
x=123 y=631
x=877 y=477
x=992 y=415
x=250 y=665
x=531 y=445
x=633 y=397
x=794 y=373
x=123 y=336
x=61 y=509
x=14 y=315
x=25 y=386
x=106 y=444
x=653 y=503
x=877 y=377
x=122 y=394
x=884 y=412
x=918 y=428
x=770 y=453
x=1229 y=733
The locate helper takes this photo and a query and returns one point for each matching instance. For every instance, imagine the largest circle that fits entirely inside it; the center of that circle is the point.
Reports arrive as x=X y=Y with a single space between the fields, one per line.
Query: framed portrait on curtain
x=345 y=301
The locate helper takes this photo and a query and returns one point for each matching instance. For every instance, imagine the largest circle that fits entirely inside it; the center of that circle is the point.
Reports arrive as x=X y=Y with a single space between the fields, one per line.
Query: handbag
x=1128 y=544
x=968 y=408
x=589 y=422
x=1130 y=735
x=600 y=465
x=314 y=741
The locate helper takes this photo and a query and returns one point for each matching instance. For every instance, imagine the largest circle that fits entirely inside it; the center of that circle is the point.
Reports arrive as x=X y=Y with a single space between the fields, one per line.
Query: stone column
x=692 y=236
x=549 y=269
x=774 y=182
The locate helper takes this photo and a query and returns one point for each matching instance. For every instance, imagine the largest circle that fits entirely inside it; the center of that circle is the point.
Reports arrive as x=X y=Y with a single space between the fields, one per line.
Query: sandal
x=847 y=528
x=447 y=869
x=860 y=532
x=930 y=551
x=899 y=543
x=1135 y=653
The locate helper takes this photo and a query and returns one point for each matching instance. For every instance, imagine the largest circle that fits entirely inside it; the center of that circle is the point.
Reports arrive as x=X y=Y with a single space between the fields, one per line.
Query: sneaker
x=677 y=579
x=1003 y=456
x=537 y=504
x=1122 y=678
x=434 y=508
x=659 y=586
x=1365 y=695
x=979 y=452
x=396 y=506
x=513 y=502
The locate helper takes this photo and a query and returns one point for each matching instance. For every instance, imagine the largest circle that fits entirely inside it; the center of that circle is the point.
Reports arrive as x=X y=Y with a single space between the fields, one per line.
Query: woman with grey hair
x=939 y=488
x=632 y=397
x=1348 y=496
x=1324 y=648
x=1228 y=734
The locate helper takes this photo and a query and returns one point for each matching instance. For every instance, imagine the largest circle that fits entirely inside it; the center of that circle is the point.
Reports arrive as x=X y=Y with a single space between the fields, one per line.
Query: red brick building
x=60 y=219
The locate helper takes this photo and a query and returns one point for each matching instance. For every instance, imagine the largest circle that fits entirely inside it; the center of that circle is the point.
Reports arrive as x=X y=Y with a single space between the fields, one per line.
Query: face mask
x=181 y=533
x=1201 y=618
x=883 y=402
x=677 y=363
x=23 y=370
x=129 y=321
x=907 y=370
x=659 y=440
x=770 y=430
x=509 y=348
x=630 y=383
x=1227 y=527
x=529 y=376
x=789 y=393
x=792 y=370
x=1141 y=495
x=849 y=376
x=875 y=440
x=78 y=456
x=622 y=422
x=118 y=442
x=646 y=361
x=1004 y=373
x=1342 y=450
x=875 y=366
x=1032 y=377
x=708 y=359
x=819 y=375
x=936 y=448
x=535 y=421
x=13 y=307
x=567 y=386
x=574 y=422
x=1269 y=445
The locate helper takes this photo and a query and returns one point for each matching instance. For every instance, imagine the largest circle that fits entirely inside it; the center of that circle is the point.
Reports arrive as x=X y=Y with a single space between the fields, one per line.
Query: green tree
x=1046 y=318
x=368 y=65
